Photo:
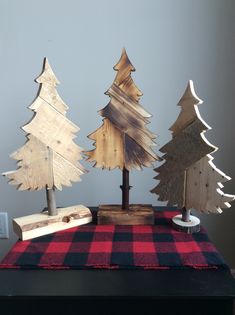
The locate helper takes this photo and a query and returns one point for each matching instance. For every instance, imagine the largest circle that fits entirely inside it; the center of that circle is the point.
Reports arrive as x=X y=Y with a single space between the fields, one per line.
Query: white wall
x=169 y=42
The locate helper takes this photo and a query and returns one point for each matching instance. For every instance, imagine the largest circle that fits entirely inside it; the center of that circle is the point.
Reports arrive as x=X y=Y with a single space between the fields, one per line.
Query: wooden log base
x=136 y=215
x=39 y=224
x=190 y=227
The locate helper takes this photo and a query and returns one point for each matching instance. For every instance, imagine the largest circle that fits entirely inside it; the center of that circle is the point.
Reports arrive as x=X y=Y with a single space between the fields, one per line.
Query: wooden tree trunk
x=125 y=189
x=51 y=203
x=185 y=215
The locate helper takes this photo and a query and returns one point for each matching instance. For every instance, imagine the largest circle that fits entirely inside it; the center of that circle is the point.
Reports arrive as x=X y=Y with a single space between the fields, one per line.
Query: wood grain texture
x=39 y=224
x=47 y=76
x=49 y=158
x=35 y=166
x=193 y=226
x=203 y=187
x=185 y=149
x=40 y=166
x=51 y=201
x=135 y=156
x=123 y=78
x=171 y=189
x=136 y=215
x=129 y=120
x=55 y=131
x=116 y=92
x=188 y=178
x=49 y=94
x=109 y=147
x=130 y=125
x=189 y=112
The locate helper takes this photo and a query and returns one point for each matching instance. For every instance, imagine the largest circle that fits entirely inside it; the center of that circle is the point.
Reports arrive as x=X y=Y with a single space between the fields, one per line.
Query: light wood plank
x=189 y=111
x=55 y=131
x=39 y=224
x=51 y=96
x=64 y=172
x=109 y=147
x=203 y=187
x=35 y=166
x=47 y=76
x=40 y=167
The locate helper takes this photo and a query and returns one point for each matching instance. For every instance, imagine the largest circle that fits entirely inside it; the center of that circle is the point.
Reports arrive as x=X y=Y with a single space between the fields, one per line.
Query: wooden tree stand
x=125 y=214
x=39 y=224
x=186 y=222
x=136 y=215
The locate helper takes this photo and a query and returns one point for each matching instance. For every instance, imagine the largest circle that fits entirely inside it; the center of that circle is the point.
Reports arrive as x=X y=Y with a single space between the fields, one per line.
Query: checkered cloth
x=117 y=247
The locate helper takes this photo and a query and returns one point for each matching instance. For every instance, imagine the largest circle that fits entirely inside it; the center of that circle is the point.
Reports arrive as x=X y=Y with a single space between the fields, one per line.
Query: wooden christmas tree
x=188 y=177
x=49 y=159
x=123 y=141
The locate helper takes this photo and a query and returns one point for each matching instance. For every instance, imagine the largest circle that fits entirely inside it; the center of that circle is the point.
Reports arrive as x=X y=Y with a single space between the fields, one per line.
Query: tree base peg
x=136 y=215
x=190 y=227
x=39 y=224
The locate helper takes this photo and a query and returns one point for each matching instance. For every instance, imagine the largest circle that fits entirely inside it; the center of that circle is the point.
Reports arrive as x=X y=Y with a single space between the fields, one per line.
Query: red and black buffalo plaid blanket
x=117 y=247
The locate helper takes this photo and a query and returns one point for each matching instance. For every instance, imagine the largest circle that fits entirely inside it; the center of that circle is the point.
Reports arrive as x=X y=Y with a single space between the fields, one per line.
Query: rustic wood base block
x=190 y=227
x=39 y=224
x=136 y=215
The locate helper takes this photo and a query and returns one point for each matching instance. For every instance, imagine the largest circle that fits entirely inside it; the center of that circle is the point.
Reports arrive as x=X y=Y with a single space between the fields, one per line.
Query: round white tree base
x=192 y=226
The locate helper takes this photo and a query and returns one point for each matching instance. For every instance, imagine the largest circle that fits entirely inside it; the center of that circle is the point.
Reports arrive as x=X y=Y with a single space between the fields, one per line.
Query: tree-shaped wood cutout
x=188 y=177
x=49 y=159
x=123 y=141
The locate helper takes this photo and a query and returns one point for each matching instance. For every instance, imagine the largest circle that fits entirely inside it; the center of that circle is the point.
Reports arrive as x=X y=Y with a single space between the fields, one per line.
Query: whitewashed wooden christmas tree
x=48 y=160
x=188 y=177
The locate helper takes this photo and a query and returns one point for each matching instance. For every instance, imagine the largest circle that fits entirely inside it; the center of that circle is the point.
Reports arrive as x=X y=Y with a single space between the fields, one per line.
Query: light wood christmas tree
x=188 y=177
x=124 y=142
x=48 y=160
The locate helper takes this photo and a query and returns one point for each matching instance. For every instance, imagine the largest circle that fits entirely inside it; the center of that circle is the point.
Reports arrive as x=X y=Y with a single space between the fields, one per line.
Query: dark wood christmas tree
x=188 y=177
x=124 y=142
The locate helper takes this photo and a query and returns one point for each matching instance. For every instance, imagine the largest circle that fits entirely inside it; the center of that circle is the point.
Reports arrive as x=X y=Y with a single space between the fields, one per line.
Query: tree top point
x=124 y=61
x=47 y=75
x=190 y=94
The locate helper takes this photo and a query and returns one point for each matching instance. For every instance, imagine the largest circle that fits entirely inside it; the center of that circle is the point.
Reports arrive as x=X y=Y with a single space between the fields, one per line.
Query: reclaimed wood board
x=109 y=147
x=39 y=224
x=203 y=187
x=136 y=215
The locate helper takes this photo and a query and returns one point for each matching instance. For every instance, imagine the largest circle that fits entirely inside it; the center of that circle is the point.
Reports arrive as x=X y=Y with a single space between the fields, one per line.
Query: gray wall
x=169 y=42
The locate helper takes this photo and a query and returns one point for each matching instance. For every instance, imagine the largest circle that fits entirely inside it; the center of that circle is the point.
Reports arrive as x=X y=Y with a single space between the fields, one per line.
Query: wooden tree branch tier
x=188 y=177
x=123 y=142
x=49 y=159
